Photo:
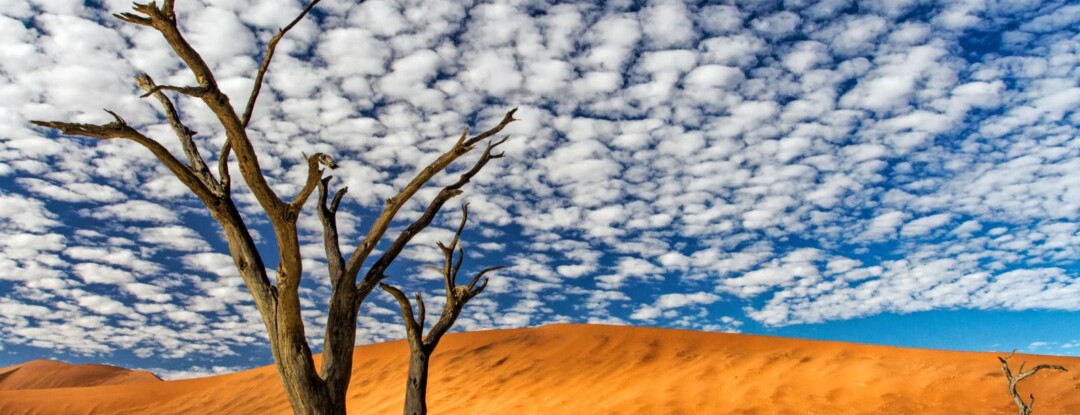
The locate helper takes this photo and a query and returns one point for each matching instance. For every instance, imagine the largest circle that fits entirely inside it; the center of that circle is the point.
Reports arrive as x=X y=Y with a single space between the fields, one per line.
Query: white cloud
x=777 y=25
x=815 y=164
x=133 y=210
x=115 y=256
x=677 y=300
x=100 y=274
x=925 y=225
x=667 y=24
x=71 y=192
x=884 y=226
x=179 y=238
x=667 y=302
x=805 y=56
x=19 y=213
x=891 y=85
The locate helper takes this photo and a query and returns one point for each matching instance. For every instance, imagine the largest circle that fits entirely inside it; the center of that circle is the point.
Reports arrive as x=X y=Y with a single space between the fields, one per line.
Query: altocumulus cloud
x=677 y=164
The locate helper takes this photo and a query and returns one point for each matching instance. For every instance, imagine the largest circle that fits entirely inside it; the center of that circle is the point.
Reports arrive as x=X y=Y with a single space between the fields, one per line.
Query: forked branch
x=183 y=133
x=120 y=129
x=421 y=347
x=393 y=204
x=193 y=91
x=163 y=19
x=328 y=217
x=456 y=296
x=376 y=272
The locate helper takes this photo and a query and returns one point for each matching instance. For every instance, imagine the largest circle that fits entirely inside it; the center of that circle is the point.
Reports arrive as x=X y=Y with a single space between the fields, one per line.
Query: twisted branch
x=456 y=296
x=223 y=167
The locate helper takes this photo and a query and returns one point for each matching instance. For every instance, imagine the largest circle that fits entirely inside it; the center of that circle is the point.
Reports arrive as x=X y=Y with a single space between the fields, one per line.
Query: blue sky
x=890 y=172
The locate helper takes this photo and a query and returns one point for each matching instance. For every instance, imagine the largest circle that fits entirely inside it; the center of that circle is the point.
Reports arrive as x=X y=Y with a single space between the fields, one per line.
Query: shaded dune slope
x=593 y=369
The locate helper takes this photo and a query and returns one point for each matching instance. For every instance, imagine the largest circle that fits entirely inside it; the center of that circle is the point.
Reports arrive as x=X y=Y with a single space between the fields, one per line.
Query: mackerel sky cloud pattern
x=750 y=166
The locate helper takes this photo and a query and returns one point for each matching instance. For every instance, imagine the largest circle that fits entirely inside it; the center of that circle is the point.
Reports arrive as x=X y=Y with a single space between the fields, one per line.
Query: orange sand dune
x=49 y=374
x=592 y=369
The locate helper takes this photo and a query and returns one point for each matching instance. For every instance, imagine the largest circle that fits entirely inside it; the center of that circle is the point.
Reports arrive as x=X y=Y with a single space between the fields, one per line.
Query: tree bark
x=338 y=344
x=416 y=386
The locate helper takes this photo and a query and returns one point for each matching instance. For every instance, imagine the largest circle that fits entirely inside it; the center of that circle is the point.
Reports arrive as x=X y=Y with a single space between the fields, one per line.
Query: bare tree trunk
x=416 y=388
x=307 y=392
x=338 y=344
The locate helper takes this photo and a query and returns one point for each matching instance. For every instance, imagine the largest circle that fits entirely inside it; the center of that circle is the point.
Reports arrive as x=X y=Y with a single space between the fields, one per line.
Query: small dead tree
x=1023 y=408
x=310 y=390
x=420 y=346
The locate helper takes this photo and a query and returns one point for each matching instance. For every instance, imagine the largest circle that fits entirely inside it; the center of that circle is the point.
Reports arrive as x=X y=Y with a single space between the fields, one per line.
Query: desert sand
x=594 y=369
x=50 y=374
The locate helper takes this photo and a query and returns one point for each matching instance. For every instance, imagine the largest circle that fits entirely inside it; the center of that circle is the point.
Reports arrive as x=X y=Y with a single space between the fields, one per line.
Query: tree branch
x=456 y=296
x=164 y=21
x=506 y=120
x=265 y=65
x=223 y=168
x=328 y=217
x=134 y=18
x=377 y=270
x=412 y=328
x=120 y=129
x=450 y=268
x=421 y=310
x=1029 y=372
x=167 y=9
x=450 y=273
x=382 y=222
x=194 y=91
x=337 y=199
x=473 y=289
x=314 y=176
x=183 y=133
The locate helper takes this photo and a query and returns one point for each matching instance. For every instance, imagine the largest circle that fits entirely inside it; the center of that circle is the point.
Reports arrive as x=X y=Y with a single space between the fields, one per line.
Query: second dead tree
x=1023 y=408
x=421 y=347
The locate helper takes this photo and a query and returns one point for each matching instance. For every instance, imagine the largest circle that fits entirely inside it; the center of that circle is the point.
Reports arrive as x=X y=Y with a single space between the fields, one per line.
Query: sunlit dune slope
x=48 y=374
x=592 y=369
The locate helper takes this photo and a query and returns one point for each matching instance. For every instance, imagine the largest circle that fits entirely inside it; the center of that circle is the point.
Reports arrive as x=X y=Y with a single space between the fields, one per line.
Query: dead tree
x=1023 y=408
x=310 y=390
x=421 y=347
